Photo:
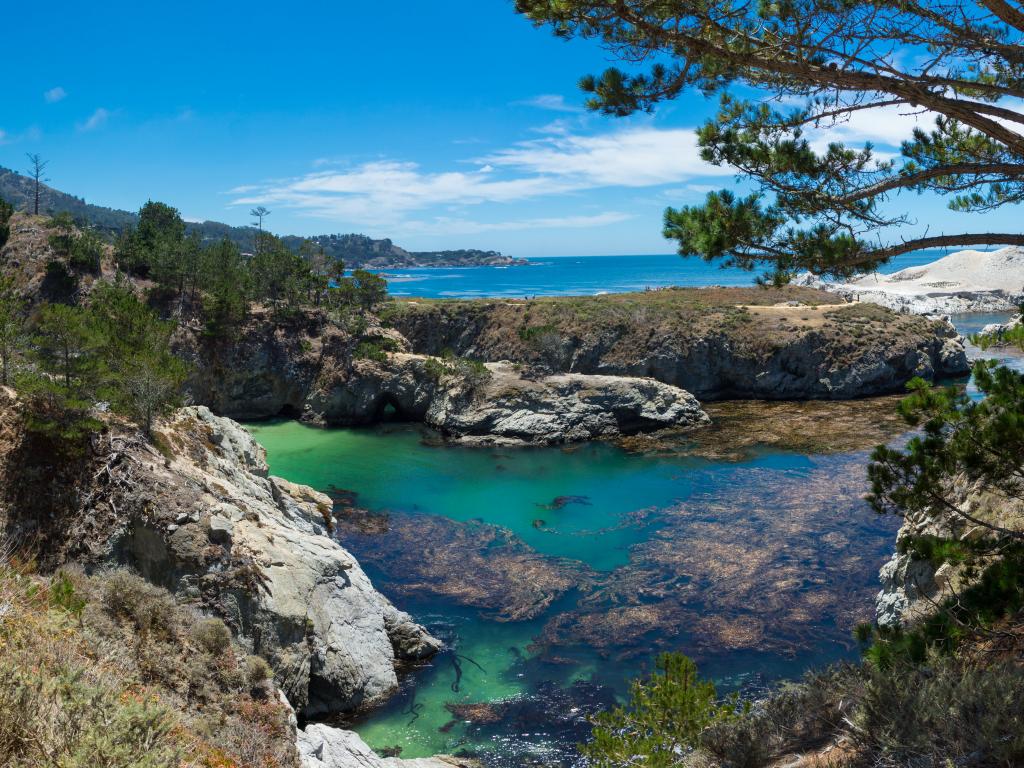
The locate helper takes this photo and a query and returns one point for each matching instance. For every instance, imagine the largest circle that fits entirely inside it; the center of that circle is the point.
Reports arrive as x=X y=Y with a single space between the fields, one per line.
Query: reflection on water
x=556 y=574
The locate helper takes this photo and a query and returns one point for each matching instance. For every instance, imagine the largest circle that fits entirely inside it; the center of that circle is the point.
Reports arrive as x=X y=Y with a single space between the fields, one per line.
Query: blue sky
x=441 y=125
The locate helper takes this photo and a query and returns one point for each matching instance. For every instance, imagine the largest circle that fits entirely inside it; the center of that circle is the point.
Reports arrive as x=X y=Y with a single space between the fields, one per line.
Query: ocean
x=583 y=276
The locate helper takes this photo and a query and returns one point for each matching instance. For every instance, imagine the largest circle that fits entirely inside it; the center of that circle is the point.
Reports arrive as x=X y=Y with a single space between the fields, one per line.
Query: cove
x=555 y=575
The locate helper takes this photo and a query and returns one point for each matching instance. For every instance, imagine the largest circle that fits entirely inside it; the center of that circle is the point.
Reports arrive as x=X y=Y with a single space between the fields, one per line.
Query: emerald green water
x=758 y=568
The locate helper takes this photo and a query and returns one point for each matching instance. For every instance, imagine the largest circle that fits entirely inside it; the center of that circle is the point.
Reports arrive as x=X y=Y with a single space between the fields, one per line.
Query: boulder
x=321 y=746
x=510 y=408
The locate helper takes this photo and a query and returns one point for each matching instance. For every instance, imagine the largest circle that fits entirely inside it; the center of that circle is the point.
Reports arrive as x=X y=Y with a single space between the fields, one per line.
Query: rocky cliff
x=201 y=517
x=773 y=344
x=311 y=369
x=913 y=587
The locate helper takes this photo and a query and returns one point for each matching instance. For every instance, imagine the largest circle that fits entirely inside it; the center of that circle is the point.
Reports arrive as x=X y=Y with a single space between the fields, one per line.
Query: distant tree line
x=113 y=344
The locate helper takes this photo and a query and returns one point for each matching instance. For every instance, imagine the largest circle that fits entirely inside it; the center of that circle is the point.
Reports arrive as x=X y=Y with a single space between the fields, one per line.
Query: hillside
x=357 y=251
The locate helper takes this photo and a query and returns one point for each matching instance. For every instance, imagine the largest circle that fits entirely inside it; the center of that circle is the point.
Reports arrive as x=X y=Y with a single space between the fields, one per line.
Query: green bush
x=376 y=350
x=212 y=635
x=944 y=712
x=150 y=609
x=665 y=717
x=86 y=253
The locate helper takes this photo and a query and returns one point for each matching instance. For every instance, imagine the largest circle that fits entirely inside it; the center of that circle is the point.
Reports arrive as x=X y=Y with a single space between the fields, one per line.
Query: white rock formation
x=566 y=407
x=256 y=550
x=967 y=281
x=321 y=746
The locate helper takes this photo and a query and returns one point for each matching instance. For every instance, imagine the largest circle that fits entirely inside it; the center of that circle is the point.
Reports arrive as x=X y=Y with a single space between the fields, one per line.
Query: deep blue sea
x=583 y=276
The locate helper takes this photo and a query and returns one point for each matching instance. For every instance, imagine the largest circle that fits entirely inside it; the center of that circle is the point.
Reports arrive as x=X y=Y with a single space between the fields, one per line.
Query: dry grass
x=109 y=672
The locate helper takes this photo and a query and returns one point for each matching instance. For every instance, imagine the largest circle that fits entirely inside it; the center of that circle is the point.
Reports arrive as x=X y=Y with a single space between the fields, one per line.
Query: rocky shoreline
x=962 y=283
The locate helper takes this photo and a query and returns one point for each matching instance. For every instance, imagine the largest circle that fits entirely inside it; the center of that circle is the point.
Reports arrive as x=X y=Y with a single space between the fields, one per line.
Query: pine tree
x=821 y=208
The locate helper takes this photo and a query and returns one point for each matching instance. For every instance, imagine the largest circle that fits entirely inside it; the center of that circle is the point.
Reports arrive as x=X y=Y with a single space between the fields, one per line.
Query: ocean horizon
x=585 y=276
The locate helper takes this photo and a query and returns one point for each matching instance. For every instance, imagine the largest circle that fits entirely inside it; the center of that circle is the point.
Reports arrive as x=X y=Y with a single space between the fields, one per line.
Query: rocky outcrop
x=510 y=408
x=207 y=522
x=321 y=746
x=912 y=587
x=714 y=343
x=963 y=282
x=308 y=368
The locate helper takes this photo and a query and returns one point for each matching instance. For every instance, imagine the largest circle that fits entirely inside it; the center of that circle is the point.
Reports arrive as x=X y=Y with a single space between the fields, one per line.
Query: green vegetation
x=447 y=364
x=819 y=208
x=664 y=718
x=376 y=350
x=115 y=348
x=12 y=327
x=6 y=211
x=107 y=671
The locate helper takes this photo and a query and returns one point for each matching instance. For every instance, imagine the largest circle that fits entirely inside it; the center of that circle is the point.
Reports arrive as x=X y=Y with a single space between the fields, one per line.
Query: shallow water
x=556 y=575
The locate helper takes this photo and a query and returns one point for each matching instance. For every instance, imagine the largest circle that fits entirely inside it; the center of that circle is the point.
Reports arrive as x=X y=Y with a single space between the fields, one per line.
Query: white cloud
x=3 y=137
x=96 y=120
x=551 y=101
x=460 y=226
x=637 y=157
x=54 y=95
x=389 y=193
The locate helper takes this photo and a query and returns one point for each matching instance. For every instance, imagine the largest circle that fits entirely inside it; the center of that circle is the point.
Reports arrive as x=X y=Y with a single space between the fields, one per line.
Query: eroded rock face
x=509 y=408
x=717 y=344
x=212 y=526
x=294 y=372
x=321 y=746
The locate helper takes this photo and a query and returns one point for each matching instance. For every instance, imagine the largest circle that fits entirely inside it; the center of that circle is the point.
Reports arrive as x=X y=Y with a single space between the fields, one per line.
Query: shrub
x=473 y=372
x=212 y=635
x=257 y=671
x=376 y=350
x=664 y=718
x=150 y=609
x=944 y=712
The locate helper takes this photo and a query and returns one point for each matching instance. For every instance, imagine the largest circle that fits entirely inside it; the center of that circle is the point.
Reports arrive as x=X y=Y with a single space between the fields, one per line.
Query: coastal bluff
x=547 y=371
x=716 y=343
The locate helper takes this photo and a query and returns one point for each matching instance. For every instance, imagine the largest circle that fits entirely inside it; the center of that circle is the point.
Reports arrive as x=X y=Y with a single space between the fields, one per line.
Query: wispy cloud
x=550 y=101
x=96 y=120
x=461 y=226
x=54 y=95
x=391 y=193
x=3 y=137
x=637 y=157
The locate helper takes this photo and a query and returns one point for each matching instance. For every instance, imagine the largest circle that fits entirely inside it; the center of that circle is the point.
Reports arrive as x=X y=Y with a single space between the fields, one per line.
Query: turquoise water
x=556 y=575
x=584 y=275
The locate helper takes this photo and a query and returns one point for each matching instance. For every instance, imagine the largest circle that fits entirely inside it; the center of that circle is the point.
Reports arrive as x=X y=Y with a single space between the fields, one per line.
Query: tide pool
x=556 y=575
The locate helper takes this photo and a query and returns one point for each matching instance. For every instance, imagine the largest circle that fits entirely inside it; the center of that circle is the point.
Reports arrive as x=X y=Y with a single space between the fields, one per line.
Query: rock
x=717 y=344
x=321 y=746
x=509 y=408
x=220 y=530
x=966 y=281
x=288 y=590
x=502 y=405
x=905 y=581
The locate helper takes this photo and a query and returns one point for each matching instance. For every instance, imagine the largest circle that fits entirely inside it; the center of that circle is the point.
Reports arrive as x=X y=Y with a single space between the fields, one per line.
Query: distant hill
x=356 y=250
